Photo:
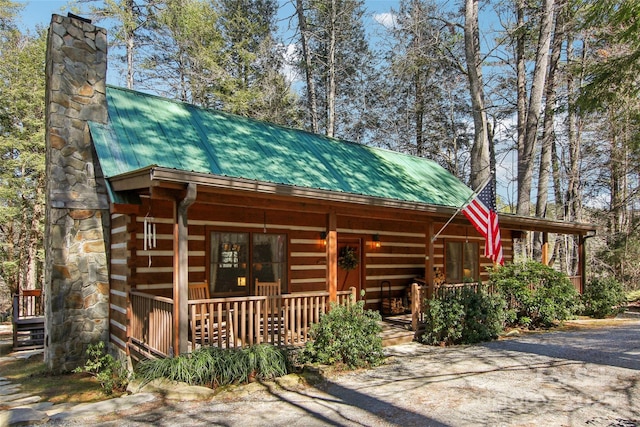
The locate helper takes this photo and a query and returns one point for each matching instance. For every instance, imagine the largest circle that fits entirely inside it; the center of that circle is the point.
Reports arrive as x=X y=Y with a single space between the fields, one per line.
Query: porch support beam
x=545 y=248
x=181 y=272
x=428 y=274
x=582 y=265
x=332 y=256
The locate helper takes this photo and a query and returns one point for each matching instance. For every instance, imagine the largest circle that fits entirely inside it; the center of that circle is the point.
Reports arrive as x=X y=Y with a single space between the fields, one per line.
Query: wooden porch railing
x=28 y=319
x=151 y=325
x=28 y=303
x=229 y=322
x=576 y=281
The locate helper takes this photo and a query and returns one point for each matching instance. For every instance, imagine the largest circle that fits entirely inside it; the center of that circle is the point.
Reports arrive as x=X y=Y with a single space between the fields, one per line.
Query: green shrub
x=484 y=315
x=602 y=297
x=443 y=320
x=465 y=317
x=348 y=336
x=536 y=294
x=213 y=366
x=112 y=374
x=633 y=296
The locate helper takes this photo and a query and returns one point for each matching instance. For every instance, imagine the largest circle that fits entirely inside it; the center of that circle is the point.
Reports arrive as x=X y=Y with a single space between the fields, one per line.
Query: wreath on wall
x=347 y=258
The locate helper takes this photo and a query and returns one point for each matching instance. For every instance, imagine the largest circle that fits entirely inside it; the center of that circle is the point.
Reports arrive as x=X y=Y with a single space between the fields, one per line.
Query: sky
x=38 y=12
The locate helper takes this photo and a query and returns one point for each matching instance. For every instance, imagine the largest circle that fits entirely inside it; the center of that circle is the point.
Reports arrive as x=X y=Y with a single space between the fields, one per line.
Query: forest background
x=540 y=94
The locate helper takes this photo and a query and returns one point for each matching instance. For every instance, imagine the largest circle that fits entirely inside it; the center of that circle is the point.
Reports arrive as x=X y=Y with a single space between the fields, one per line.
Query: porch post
x=428 y=276
x=582 y=265
x=332 y=256
x=181 y=272
x=545 y=248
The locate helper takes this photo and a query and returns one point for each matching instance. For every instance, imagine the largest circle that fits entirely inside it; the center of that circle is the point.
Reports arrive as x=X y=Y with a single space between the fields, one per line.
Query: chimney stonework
x=77 y=209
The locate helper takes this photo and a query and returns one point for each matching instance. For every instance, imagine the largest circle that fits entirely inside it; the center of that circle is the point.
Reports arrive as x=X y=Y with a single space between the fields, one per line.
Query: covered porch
x=189 y=229
x=282 y=320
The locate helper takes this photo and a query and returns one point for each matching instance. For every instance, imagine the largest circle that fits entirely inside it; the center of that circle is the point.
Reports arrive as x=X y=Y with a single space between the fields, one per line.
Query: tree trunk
x=573 y=199
x=129 y=41
x=312 y=103
x=33 y=240
x=618 y=177
x=480 y=163
x=527 y=151
x=548 y=135
x=331 y=65
x=419 y=116
x=560 y=247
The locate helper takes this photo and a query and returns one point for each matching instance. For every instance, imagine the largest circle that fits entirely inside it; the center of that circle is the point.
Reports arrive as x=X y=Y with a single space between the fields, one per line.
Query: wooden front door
x=348 y=278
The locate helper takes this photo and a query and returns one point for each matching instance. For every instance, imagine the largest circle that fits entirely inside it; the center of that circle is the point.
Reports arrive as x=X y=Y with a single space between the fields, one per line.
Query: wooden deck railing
x=576 y=281
x=229 y=322
x=28 y=319
x=28 y=303
x=151 y=327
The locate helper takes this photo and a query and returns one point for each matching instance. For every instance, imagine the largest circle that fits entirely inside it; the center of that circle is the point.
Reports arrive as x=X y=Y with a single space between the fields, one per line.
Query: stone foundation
x=77 y=215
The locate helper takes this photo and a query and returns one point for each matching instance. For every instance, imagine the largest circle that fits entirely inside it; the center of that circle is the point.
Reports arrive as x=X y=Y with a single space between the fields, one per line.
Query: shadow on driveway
x=598 y=346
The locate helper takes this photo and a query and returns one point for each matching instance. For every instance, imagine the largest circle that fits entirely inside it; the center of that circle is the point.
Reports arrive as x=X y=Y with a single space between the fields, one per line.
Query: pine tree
x=22 y=149
x=337 y=64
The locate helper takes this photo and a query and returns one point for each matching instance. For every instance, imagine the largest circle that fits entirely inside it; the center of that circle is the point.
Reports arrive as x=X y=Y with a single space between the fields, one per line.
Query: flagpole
x=474 y=194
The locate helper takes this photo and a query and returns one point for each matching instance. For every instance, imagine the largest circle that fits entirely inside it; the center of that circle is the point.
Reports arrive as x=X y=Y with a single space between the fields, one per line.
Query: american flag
x=482 y=213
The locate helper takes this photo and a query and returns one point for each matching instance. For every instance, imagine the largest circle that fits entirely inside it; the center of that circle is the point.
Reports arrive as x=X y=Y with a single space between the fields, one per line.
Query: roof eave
x=155 y=176
x=135 y=180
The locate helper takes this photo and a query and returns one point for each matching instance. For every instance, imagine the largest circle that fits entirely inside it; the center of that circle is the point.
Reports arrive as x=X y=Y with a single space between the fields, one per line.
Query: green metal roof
x=146 y=130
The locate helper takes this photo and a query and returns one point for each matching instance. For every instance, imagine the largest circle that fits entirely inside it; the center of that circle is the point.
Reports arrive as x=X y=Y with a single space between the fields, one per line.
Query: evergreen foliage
x=347 y=336
x=603 y=296
x=22 y=150
x=469 y=316
x=536 y=294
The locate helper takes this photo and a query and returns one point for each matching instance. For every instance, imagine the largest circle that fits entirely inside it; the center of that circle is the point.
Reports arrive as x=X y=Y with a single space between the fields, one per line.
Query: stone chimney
x=77 y=210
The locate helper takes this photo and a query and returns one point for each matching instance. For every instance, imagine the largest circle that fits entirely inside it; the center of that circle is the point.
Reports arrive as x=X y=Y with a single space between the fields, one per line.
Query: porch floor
x=396 y=329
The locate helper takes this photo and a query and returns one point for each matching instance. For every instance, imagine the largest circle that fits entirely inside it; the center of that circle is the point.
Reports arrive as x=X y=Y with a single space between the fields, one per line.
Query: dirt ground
x=588 y=375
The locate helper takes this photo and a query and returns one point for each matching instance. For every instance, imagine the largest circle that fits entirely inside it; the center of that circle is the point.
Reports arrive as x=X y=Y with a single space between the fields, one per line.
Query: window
x=461 y=262
x=230 y=272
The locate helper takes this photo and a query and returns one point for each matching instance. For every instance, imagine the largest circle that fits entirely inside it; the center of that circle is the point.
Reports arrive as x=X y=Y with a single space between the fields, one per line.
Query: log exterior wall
x=122 y=240
x=396 y=263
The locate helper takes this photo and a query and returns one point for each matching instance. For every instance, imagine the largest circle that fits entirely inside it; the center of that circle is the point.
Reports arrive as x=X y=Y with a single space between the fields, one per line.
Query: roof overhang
x=153 y=178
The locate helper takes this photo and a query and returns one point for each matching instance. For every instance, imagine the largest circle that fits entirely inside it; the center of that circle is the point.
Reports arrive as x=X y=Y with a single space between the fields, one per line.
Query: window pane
x=470 y=271
x=453 y=257
x=229 y=253
x=270 y=258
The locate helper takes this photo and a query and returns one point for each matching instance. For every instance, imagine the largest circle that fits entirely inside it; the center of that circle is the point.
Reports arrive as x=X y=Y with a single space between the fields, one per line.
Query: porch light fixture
x=323 y=238
x=376 y=241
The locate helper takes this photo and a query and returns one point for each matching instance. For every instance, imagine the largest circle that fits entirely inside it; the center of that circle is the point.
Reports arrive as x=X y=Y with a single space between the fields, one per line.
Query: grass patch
x=35 y=379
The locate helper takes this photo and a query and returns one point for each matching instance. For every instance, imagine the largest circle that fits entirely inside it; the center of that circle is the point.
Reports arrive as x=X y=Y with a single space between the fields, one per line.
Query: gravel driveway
x=588 y=377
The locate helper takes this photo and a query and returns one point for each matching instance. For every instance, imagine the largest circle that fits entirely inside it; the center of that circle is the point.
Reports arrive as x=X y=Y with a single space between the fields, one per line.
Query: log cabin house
x=184 y=198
